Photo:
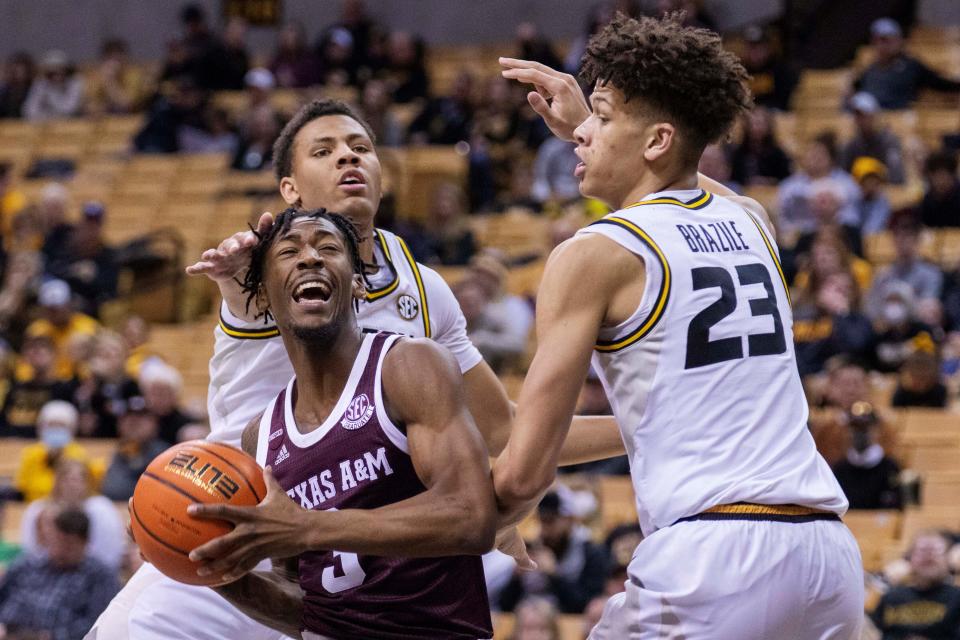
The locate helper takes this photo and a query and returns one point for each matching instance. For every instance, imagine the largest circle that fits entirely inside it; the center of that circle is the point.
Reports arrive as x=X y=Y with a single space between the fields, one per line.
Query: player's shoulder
x=422 y=355
x=589 y=257
x=752 y=207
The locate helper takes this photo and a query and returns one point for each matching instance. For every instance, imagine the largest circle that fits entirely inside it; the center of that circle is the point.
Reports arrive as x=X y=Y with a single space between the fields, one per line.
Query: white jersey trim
x=304 y=440
x=263 y=435
x=386 y=424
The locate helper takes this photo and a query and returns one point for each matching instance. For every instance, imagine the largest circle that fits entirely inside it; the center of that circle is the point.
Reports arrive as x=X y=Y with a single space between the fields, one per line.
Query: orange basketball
x=190 y=472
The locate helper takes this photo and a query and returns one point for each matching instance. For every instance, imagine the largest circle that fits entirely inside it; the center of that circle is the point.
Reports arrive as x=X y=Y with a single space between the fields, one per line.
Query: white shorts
x=151 y=606
x=740 y=580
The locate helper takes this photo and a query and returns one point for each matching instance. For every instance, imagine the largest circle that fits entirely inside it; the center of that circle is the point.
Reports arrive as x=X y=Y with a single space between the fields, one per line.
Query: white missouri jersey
x=702 y=378
x=250 y=365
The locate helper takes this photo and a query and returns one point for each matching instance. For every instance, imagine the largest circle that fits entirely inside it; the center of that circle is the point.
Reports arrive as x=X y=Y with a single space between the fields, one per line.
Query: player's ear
x=289 y=191
x=359 y=287
x=660 y=138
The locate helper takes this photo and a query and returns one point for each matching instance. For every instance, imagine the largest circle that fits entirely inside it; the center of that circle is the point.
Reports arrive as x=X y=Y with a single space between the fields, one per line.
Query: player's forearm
x=427 y=525
x=268 y=598
x=591 y=438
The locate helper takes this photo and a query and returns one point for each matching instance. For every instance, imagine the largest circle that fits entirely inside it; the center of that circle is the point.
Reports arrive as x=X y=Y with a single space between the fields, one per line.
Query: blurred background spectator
x=772 y=80
x=137 y=446
x=536 y=620
x=868 y=477
x=34 y=383
x=19 y=73
x=941 y=202
x=759 y=159
x=117 y=86
x=920 y=383
x=293 y=64
x=102 y=394
x=872 y=140
x=161 y=385
x=58 y=92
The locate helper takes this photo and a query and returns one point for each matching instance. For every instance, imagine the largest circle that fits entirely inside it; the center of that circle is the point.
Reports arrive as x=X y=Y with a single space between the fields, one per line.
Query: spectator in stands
x=894 y=77
x=449 y=237
x=294 y=65
x=598 y=16
x=60 y=596
x=501 y=328
x=759 y=159
x=259 y=84
x=12 y=201
x=136 y=334
x=52 y=218
x=570 y=567
x=21 y=271
x=827 y=202
x=872 y=140
x=924 y=279
x=58 y=92
x=56 y=427
x=920 y=383
x=338 y=66
x=899 y=333
x=405 y=70
x=138 y=445
x=829 y=255
x=592 y=614
x=941 y=202
x=255 y=148
x=61 y=324
x=117 y=86
x=553 y=179
x=873 y=207
x=161 y=385
x=102 y=394
x=182 y=103
x=819 y=160
x=869 y=478
x=929 y=606
x=86 y=263
x=216 y=136
x=446 y=120
x=73 y=488
x=715 y=163
x=536 y=619
x=827 y=322
x=206 y=59
x=375 y=104
x=531 y=45
x=34 y=384
x=236 y=60
x=354 y=18
x=18 y=77
x=772 y=79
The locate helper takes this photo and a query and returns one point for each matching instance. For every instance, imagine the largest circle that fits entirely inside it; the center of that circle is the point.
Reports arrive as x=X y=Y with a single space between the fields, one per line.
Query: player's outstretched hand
x=231 y=257
x=510 y=542
x=558 y=98
x=272 y=529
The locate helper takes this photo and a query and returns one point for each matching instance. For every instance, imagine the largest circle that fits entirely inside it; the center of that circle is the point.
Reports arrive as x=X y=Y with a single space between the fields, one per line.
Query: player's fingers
x=265 y=222
x=234 y=561
x=229 y=246
x=199 y=268
x=532 y=76
x=240 y=570
x=273 y=487
x=516 y=63
x=540 y=105
x=209 y=254
x=219 y=512
x=216 y=550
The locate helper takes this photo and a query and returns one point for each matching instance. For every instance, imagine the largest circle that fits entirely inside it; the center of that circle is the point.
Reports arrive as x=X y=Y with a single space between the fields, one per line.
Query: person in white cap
x=58 y=93
x=61 y=324
x=872 y=140
x=896 y=78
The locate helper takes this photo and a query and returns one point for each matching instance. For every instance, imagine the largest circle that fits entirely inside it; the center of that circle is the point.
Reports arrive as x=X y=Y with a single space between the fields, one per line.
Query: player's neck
x=365 y=230
x=322 y=370
x=654 y=182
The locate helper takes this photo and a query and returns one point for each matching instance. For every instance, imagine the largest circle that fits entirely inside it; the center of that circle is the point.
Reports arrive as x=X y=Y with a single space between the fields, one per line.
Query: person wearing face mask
x=868 y=477
x=928 y=606
x=899 y=333
x=924 y=279
x=57 y=426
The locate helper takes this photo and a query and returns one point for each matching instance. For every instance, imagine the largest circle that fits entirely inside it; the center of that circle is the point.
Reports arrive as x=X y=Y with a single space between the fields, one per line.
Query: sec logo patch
x=408 y=307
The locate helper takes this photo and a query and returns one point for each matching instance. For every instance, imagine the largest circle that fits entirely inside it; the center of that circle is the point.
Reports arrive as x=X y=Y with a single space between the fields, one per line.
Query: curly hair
x=253 y=278
x=681 y=73
x=283 y=145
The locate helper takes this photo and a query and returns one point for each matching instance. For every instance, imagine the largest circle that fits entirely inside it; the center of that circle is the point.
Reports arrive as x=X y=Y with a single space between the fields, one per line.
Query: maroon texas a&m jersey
x=358 y=459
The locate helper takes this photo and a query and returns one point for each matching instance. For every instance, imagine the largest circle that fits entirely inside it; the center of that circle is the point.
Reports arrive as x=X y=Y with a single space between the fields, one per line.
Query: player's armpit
x=251 y=433
x=488 y=404
x=579 y=283
x=269 y=598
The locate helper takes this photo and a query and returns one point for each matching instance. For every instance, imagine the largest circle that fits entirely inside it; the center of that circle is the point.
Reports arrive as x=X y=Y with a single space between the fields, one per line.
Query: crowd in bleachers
x=857 y=166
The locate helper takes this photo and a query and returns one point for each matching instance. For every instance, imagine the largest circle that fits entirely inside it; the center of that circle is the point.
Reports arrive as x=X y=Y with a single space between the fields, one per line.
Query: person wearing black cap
x=895 y=78
x=137 y=447
x=571 y=569
x=772 y=81
x=85 y=262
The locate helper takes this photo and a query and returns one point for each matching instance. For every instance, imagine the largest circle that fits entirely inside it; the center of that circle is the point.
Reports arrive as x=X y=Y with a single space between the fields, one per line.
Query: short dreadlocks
x=682 y=73
x=253 y=278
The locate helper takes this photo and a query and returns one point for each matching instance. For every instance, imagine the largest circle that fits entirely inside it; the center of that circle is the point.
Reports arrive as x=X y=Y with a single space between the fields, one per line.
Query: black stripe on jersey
x=699 y=202
x=660 y=304
x=387 y=289
x=773 y=254
x=423 y=292
x=248 y=334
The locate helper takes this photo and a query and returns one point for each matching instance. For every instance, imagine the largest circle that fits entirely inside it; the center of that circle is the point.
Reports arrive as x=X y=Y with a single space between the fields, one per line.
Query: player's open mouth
x=312 y=291
x=579 y=170
x=352 y=181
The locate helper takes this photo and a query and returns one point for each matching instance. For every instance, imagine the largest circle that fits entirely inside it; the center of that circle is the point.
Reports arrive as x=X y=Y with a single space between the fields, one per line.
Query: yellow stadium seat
x=934 y=421
x=916 y=520
x=936 y=457
x=940 y=489
x=617 y=504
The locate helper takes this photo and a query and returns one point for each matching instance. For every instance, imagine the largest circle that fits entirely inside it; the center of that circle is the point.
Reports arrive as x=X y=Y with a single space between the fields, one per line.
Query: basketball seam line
x=235 y=468
x=169 y=484
x=133 y=510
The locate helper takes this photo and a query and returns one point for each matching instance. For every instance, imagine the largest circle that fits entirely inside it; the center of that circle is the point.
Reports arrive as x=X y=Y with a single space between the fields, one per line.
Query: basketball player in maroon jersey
x=372 y=452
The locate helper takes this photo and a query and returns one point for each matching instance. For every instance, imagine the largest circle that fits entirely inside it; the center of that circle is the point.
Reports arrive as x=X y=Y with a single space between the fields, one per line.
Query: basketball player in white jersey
x=324 y=158
x=679 y=298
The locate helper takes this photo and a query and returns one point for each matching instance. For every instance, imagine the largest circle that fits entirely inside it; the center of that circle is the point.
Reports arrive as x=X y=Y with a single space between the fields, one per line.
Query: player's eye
x=361 y=148
x=330 y=248
x=321 y=152
x=289 y=251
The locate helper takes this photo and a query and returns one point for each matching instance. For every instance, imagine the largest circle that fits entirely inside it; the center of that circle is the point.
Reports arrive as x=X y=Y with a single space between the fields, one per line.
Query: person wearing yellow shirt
x=36 y=473
x=64 y=326
x=12 y=201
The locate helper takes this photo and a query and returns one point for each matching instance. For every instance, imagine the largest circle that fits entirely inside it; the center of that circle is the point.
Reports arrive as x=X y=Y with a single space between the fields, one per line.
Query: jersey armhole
x=394 y=433
x=263 y=434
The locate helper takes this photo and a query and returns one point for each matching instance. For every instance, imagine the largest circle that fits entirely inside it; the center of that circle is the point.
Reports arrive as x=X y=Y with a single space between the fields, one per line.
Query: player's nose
x=348 y=157
x=309 y=258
